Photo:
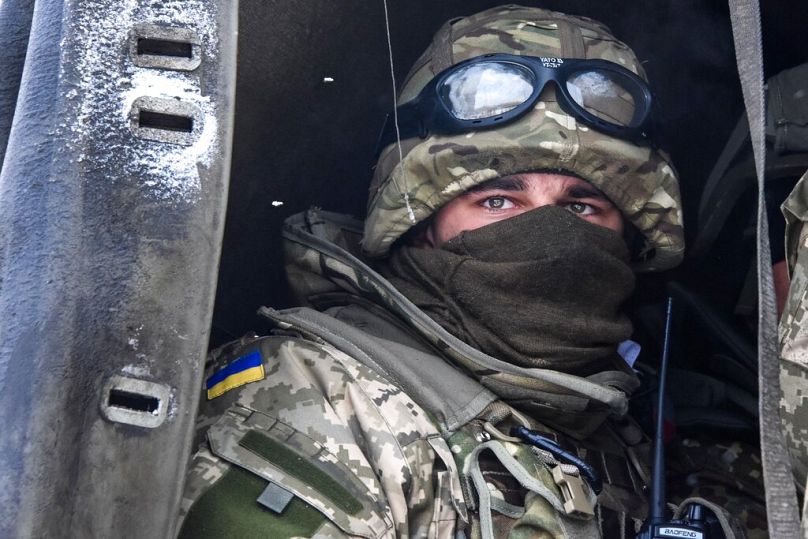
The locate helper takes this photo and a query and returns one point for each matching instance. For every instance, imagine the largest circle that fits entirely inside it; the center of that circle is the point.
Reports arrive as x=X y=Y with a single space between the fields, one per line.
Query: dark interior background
x=304 y=142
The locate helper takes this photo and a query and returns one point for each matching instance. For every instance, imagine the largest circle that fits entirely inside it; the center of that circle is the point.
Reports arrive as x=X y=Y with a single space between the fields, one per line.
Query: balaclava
x=541 y=289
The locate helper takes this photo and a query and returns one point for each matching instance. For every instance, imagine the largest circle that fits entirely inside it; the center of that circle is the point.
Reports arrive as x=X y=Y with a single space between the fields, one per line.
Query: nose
x=544 y=198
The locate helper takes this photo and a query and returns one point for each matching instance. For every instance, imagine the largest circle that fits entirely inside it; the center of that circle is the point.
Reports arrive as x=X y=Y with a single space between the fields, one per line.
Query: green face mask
x=542 y=289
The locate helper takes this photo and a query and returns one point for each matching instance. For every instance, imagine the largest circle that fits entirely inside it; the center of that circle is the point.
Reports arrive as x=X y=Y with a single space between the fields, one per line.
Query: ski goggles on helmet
x=495 y=89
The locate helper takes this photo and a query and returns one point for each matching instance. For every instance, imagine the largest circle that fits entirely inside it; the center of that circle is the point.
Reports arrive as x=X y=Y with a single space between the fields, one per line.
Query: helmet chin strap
x=405 y=195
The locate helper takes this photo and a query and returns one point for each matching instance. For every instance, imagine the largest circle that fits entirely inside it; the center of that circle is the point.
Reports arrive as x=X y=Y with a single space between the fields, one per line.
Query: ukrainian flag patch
x=243 y=370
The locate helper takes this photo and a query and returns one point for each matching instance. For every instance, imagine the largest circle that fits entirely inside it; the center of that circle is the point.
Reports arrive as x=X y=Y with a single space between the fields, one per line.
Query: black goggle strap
x=409 y=125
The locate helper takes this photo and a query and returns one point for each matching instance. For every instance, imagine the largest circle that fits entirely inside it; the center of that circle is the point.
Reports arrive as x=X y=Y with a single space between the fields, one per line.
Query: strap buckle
x=573 y=489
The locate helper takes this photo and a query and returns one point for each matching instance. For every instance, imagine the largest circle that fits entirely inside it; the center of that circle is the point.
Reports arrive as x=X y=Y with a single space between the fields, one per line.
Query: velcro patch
x=275 y=498
x=240 y=371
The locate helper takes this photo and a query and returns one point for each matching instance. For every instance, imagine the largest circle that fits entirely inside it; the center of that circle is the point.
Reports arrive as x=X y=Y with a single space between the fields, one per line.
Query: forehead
x=538 y=181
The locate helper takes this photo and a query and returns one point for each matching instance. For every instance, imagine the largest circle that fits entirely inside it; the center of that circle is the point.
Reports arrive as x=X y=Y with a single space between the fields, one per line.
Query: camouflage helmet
x=639 y=180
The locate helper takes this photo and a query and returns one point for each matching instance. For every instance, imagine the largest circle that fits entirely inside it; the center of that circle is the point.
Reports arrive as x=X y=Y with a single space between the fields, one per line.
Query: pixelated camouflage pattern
x=339 y=414
x=365 y=433
x=639 y=180
x=793 y=334
x=224 y=441
x=728 y=474
x=205 y=470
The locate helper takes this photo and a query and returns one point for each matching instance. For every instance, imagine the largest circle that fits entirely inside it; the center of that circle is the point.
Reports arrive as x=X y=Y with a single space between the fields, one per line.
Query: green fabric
x=301 y=468
x=542 y=289
x=228 y=509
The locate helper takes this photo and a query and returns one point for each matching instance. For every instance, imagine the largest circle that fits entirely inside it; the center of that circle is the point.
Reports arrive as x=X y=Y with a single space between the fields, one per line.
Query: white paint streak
x=136 y=370
x=171 y=413
x=277 y=203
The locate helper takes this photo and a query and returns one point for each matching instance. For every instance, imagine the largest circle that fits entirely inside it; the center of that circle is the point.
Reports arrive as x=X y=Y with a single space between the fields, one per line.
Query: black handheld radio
x=693 y=524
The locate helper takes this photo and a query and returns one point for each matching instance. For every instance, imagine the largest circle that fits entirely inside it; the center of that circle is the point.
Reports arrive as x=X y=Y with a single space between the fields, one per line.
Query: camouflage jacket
x=362 y=421
x=794 y=332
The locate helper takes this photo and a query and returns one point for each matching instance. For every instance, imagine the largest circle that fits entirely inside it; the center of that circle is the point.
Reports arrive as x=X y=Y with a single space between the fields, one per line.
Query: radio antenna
x=693 y=522
x=658 y=475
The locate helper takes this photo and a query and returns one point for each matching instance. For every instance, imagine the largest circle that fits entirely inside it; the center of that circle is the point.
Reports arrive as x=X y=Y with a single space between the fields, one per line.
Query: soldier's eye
x=497 y=203
x=580 y=208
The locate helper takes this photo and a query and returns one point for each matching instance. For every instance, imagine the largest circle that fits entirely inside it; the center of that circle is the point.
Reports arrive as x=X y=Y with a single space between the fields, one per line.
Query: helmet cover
x=639 y=180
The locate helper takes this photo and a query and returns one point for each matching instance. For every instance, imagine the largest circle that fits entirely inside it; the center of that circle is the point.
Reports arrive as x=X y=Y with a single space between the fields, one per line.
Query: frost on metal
x=108 y=84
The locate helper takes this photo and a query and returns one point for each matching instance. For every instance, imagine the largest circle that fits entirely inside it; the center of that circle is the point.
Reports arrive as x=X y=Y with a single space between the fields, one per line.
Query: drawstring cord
x=405 y=195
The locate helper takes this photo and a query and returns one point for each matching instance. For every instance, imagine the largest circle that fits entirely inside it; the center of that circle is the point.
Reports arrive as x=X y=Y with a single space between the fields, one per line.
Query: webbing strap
x=486 y=504
x=781 y=495
x=731 y=149
x=730 y=532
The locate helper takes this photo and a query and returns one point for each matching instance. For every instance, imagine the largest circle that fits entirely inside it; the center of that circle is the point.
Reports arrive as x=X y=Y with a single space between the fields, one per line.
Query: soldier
x=459 y=373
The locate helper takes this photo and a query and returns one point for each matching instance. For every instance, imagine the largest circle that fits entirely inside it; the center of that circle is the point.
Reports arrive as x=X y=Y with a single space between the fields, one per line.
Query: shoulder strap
x=781 y=496
x=452 y=397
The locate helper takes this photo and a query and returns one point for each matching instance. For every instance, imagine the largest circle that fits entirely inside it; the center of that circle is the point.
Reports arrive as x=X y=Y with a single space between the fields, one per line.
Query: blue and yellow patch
x=243 y=370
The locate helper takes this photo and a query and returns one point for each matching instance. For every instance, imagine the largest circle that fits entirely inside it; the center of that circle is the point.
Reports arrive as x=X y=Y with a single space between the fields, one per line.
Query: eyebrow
x=586 y=192
x=515 y=183
x=499 y=184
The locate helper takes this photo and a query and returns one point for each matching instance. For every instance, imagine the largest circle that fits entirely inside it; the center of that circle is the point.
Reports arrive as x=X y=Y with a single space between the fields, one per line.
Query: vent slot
x=133 y=401
x=166 y=120
x=169 y=122
x=164 y=47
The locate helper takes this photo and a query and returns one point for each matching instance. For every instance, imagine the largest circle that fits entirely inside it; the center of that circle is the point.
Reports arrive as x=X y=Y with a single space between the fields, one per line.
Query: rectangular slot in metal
x=164 y=47
x=150 y=119
x=166 y=120
x=158 y=46
x=140 y=403
x=133 y=401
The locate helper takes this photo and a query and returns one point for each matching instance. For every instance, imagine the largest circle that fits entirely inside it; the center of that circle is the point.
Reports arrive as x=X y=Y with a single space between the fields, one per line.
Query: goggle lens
x=498 y=88
x=487 y=89
x=603 y=94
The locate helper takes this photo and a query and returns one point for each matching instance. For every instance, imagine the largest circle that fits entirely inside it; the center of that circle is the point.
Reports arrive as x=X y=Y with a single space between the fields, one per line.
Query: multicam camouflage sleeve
x=794 y=333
